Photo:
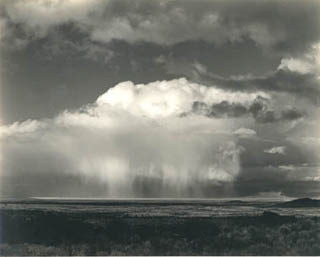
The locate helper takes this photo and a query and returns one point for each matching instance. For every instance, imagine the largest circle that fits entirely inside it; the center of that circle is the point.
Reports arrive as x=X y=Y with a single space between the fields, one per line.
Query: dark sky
x=236 y=113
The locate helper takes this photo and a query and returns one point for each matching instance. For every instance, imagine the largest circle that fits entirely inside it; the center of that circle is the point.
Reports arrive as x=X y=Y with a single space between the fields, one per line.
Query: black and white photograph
x=159 y=127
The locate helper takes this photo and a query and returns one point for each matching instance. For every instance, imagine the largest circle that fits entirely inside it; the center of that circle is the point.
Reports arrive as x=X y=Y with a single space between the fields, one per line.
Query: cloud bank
x=149 y=140
x=133 y=141
x=172 y=22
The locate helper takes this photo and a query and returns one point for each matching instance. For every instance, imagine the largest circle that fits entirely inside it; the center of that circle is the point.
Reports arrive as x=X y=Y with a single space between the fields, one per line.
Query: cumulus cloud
x=163 y=99
x=276 y=150
x=296 y=65
x=315 y=178
x=281 y=81
x=309 y=62
x=132 y=137
x=260 y=108
x=245 y=132
x=17 y=128
x=286 y=167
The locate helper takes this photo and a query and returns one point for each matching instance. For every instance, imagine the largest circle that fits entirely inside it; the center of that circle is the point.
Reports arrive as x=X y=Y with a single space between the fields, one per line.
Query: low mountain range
x=299 y=203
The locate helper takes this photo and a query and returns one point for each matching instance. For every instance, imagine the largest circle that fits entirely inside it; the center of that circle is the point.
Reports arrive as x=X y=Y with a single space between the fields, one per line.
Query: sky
x=159 y=98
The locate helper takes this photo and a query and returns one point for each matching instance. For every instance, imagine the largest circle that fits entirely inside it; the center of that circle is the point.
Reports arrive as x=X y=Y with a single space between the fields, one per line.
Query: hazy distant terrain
x=167 y=207
x=158 y=227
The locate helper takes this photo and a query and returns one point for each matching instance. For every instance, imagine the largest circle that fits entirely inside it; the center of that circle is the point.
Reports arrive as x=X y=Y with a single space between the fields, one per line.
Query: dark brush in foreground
x=32 y=232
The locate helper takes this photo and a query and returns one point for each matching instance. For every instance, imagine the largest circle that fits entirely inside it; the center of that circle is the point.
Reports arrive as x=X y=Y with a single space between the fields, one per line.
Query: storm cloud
x=159 y=98
x=132 y=132
x=172 y=22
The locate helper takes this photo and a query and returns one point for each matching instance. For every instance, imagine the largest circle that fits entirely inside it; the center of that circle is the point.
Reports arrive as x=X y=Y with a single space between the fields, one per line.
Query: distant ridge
x=301 y=202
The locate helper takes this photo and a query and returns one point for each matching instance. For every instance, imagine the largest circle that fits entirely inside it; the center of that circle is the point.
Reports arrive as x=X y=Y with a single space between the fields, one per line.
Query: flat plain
x=159 y=227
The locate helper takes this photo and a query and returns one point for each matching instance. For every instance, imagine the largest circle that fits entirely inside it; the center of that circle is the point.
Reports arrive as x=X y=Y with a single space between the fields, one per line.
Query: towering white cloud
x=170 y=98
x=131 y=136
